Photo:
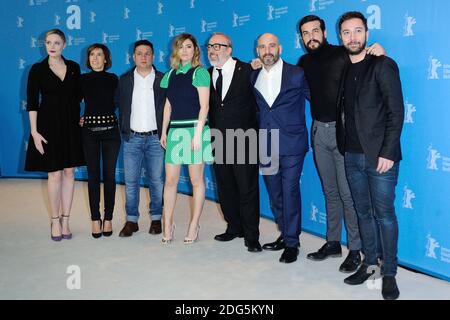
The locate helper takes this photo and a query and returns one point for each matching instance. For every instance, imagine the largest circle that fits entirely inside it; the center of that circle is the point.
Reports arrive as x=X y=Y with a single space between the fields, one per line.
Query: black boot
x=389 y=289
x=329 y=249
x=359 y=276
x=352 y=262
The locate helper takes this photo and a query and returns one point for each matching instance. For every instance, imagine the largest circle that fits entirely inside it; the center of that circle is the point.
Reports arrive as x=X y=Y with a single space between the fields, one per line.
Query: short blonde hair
x=57 y=32
x=179 y=40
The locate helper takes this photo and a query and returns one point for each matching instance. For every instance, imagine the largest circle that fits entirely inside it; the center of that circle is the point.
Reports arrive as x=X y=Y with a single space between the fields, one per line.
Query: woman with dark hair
x=55 y=140
x=101 y=137
x=188 y=140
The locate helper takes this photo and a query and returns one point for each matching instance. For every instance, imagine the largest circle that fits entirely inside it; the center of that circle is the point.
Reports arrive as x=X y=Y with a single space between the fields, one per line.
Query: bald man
x=280 y=91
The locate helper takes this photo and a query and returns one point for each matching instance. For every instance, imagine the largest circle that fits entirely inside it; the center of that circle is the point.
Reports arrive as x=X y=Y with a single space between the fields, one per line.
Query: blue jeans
x=136 y=150
x=374 y=196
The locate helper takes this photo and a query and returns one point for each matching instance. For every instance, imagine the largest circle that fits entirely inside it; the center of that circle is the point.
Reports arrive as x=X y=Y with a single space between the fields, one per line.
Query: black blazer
x=238 y=109
x=379 y=110
x=124 y=96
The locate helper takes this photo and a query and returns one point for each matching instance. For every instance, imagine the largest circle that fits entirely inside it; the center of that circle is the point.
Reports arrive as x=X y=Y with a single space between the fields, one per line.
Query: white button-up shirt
x=143 y=113
x=269 y=82
x=227 y=75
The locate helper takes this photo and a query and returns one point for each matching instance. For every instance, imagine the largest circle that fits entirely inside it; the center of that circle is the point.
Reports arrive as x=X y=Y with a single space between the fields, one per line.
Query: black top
x=378 y=110
x=323 y=71
x=57 y=103
x=97 y=89
x=352 y=143
x=183 y=96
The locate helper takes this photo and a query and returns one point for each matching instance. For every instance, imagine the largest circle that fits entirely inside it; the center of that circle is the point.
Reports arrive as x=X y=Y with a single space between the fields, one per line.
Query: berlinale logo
x=126 y=13
x=434 y=64
x=409 y=110
x=431 y=247
x=408 y=196
x=407 y=29
x=160 y=8
x=20 y=22
x=433 y=156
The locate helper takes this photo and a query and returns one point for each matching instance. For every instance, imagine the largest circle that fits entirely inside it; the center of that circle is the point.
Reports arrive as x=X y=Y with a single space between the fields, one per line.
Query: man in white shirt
x=232 y=107
x=141 y=102
x=280 y=91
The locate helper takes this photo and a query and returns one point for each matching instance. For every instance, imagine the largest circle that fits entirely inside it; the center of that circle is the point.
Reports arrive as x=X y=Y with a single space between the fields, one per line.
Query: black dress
x=58 y=112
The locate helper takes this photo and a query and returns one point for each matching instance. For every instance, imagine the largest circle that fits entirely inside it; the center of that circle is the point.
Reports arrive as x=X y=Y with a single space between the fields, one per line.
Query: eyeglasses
x=216 y=46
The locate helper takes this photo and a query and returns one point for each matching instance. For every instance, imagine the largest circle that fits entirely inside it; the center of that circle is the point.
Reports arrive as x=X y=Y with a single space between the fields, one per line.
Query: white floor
x=34 y=267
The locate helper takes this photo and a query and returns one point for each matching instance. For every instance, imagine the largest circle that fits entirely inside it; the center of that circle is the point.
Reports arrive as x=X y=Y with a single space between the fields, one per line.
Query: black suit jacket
x=124 y=97
x=379 y=110
x=238 y=109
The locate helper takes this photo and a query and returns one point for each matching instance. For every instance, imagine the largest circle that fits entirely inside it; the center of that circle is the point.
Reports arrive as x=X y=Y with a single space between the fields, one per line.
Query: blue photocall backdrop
x=413 y=32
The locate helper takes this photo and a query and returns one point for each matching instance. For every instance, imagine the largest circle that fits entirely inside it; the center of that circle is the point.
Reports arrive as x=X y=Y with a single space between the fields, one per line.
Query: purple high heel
x=54 y=238
x=66 y=236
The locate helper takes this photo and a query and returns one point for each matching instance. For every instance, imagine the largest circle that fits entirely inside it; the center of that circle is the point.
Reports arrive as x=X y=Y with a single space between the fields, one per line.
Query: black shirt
x=97 y=89
x=352 y=143
x=324 y=70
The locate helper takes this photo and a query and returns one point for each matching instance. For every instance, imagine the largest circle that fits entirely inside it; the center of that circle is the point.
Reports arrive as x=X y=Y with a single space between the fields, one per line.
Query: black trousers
x=238 y=191
x=102 y=145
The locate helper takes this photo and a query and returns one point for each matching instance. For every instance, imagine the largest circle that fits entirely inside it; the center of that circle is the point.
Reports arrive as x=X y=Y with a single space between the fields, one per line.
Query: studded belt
x=100 y=120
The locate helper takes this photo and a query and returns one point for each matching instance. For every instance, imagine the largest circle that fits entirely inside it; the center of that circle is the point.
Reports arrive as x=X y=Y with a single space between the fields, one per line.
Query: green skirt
x=179 y=139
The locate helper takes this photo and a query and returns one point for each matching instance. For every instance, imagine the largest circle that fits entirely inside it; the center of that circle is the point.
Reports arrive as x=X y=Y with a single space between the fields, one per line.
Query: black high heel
x=98 y=235
x=107 y=233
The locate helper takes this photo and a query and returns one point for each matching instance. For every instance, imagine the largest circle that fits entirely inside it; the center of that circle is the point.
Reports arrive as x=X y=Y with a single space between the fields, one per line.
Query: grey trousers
x=331 y=168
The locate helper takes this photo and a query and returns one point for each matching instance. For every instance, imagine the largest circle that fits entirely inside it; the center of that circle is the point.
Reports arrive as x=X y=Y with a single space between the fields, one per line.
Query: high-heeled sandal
x=165 y=240
x=98 y=235
x=55 y=238
x=189 y=240
x=107 y=233
x=66 y=236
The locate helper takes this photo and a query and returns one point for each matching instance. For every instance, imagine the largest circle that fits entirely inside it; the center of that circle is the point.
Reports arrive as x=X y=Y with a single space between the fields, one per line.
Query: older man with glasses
x=232 y=108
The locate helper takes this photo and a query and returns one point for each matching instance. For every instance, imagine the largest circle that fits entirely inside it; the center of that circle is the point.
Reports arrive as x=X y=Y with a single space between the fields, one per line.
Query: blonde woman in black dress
x=53 y=94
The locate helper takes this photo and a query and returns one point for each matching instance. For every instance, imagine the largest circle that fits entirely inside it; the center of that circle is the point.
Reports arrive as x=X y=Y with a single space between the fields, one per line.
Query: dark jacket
x=238 y=109
x=287 y=112
x=379 y=110
x=124 y=96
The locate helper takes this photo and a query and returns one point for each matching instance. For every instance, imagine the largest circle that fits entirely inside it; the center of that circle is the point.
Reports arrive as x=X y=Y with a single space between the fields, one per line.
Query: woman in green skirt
x=185 y=133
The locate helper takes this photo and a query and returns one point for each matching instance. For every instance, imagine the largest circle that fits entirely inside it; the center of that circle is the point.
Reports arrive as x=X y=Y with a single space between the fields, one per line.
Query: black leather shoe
x=129 y=229
x=275 y=246
x=253 y=246
x=155 y=227
x=329 y=249
x=227 y=236
x=389 y=289
x=289 y=255
x=352 y=262
x=359 y=276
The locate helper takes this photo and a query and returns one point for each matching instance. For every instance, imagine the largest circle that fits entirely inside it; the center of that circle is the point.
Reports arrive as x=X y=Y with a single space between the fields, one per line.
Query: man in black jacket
x=369 y=125
x=141 y=102
x=232 y=108
x=324 y=65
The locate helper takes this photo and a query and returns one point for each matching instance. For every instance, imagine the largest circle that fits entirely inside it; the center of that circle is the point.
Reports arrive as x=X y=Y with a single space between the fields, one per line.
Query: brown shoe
x=155 y=227
x=128 y=229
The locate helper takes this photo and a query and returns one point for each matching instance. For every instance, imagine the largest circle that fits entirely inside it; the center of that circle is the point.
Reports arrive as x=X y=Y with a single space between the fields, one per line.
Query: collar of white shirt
x=149 y=76
x=228 y=66
x=276 y=68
